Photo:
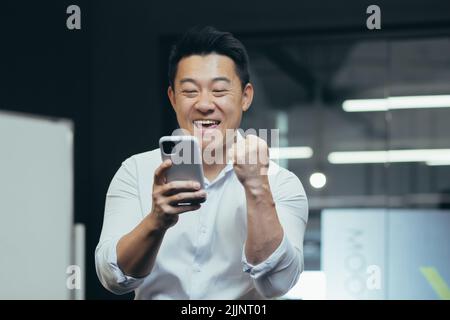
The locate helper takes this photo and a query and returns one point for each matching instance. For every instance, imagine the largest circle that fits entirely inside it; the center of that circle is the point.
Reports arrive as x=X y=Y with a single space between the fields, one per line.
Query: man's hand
x=251 y=164
x=137 y=250
x=250 y=161
x=167 y=196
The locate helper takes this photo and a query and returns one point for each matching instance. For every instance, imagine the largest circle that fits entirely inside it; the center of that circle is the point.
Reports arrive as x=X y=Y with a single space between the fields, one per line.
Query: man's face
x=208 y=98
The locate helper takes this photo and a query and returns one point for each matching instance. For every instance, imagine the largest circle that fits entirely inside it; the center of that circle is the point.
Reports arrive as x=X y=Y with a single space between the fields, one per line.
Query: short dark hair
x=206 y=40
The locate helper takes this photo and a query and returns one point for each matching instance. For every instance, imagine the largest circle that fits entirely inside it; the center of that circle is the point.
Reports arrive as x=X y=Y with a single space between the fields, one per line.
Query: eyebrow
x=184 y=80
x=222 y=79
x=187 y=80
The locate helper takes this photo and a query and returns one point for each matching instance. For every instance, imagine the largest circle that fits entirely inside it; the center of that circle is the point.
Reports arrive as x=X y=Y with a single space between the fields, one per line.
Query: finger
x=179 y=186
x=186 y=197
x=160 y=172
x=182 y=209
x=240 y=152
x=237 y=149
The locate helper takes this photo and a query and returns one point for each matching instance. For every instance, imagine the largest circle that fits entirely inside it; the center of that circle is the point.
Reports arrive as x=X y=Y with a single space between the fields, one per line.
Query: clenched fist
x=250 y=157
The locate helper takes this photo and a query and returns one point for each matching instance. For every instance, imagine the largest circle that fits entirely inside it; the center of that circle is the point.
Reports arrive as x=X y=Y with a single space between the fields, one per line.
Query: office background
x=307 y=58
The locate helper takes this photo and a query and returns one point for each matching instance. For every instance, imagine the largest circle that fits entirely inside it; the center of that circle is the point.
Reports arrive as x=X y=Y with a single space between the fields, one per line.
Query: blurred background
x=363 y=114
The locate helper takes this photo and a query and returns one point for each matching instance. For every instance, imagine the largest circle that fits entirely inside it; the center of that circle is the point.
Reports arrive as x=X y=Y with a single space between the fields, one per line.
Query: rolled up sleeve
x=108 y=271
x=276 y=275
x=122 y=213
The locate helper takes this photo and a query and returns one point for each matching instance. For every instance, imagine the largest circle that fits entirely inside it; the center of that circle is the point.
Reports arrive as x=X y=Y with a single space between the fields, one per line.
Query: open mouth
x=206 y=124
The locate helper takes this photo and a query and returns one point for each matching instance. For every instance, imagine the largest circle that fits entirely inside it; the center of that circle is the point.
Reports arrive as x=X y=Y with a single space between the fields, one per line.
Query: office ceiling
x=308 y=81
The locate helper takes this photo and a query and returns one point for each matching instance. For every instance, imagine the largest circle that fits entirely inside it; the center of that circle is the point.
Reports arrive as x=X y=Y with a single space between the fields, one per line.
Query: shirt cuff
x=122 y=278
x=259 y=270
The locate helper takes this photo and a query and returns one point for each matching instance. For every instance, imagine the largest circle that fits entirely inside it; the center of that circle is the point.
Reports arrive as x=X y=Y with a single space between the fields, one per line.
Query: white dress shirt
x=202 y=256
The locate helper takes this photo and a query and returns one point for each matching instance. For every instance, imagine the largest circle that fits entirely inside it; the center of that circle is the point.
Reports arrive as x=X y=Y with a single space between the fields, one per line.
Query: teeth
x=206 y=122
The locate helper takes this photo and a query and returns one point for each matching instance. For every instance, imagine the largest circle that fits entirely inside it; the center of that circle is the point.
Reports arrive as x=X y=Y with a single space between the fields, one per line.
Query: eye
x=189 y=93
x=219 y=92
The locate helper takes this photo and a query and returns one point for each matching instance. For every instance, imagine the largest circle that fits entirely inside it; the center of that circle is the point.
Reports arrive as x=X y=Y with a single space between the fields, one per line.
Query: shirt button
x=203 y=229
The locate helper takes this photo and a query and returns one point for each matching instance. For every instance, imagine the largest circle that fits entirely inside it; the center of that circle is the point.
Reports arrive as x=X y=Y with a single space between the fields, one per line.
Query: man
x=246 y=239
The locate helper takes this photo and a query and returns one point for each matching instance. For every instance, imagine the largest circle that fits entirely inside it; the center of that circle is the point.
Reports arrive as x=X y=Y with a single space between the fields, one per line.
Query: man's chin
x=208 y=136
x=211 y=144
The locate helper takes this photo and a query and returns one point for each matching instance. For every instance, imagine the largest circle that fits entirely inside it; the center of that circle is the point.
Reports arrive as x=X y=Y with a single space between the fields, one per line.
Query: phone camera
x=168 y=146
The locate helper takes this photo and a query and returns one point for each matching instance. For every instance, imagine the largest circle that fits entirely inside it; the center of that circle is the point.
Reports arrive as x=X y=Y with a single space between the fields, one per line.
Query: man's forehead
x=220 y=65
x=215 y=79
x=207 y=57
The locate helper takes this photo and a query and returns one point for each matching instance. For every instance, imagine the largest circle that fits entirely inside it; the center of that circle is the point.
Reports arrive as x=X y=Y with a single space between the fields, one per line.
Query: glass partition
x=375 y=114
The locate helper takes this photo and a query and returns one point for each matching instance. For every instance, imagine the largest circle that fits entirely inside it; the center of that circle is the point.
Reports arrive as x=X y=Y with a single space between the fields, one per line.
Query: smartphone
x=185 y=154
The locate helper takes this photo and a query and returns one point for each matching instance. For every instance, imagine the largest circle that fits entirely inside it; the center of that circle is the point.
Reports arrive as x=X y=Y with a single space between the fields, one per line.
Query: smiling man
x=246 y=240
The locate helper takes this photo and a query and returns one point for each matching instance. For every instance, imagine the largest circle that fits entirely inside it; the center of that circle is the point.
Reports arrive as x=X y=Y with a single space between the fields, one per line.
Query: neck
x=212 y=170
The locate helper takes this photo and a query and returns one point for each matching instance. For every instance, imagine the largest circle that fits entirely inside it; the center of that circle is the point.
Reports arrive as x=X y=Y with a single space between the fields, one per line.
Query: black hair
x=207 y=40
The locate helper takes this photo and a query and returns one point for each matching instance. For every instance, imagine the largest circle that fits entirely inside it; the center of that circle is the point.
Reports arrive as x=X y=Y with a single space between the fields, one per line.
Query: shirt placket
x=204 y=237
x=200 y=252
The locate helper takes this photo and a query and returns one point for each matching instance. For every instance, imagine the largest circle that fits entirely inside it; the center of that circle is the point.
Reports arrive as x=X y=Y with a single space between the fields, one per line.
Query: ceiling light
x=291 y=153
x=412 y=155
x=318 y=180
x=438 y=163
x=395 y=103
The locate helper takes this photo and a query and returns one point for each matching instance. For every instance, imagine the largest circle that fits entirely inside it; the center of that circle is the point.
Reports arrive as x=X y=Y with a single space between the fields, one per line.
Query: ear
x=171 y=94
x=247 y=97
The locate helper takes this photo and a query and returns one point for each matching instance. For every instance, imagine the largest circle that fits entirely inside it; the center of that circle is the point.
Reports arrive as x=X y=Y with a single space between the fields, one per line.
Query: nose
x=205 y=103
